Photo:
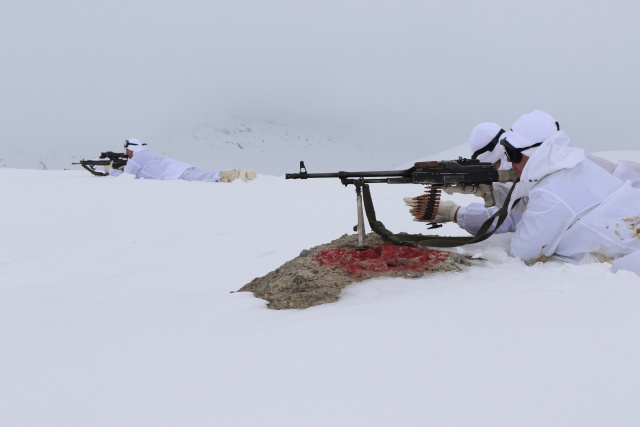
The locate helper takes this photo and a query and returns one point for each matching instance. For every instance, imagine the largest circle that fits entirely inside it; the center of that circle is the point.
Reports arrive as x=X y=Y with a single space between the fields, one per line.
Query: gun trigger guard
x=474 y=189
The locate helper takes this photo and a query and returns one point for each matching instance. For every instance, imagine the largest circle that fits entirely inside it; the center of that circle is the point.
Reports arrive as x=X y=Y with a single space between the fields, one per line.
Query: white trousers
x=193 y=174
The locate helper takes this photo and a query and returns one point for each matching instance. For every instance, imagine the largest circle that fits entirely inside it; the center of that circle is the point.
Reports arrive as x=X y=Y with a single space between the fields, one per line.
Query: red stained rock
x=386 y=257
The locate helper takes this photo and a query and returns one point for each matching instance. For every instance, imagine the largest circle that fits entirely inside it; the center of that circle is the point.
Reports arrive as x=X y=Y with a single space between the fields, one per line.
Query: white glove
x=446 y=211
x=107 y=168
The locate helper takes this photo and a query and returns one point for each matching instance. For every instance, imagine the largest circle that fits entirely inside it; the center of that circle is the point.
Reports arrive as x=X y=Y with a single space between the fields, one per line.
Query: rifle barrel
x=345 y=174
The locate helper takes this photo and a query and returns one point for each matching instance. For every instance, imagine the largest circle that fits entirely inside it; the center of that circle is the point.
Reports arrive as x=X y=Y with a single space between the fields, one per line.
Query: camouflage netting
x=318 y=275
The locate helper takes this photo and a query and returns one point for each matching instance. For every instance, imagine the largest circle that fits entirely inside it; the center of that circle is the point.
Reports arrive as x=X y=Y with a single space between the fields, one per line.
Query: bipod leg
x=360 y=227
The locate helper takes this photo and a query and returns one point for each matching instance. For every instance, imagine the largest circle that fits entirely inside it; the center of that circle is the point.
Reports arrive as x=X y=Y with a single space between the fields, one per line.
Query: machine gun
x=469 y=176
x=119 y=161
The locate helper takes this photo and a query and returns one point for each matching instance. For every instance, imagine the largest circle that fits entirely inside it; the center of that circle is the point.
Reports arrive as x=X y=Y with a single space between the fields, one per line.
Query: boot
x=242 y=174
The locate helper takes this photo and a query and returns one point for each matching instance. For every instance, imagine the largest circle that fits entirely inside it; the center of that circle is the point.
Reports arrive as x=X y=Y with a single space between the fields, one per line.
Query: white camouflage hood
x=135 y=145
x=553 y=155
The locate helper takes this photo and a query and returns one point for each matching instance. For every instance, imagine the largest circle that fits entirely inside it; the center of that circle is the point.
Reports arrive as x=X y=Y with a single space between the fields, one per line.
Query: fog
x=79 y=77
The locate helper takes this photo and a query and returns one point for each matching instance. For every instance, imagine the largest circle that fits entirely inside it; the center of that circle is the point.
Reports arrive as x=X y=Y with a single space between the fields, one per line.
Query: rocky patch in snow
x=318 y=275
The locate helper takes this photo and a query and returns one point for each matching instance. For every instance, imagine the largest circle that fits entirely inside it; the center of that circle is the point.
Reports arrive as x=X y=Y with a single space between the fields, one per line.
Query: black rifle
x=463 y=175
x=119 y=160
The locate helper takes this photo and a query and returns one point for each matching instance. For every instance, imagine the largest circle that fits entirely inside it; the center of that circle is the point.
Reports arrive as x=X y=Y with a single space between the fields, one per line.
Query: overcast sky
x=78 y=76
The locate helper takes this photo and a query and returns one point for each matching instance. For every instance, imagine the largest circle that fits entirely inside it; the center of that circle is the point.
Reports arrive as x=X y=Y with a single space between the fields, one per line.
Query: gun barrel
x=93 y=162
x=345 y=174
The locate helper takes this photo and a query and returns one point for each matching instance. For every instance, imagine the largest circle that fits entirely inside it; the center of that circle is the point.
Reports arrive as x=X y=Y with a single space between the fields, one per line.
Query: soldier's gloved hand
x=424 y=210
x=107 y=168
x=446 y=212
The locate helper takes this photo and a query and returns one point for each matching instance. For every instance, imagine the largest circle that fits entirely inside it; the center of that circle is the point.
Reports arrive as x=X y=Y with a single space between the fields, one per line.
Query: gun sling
x=421 y=240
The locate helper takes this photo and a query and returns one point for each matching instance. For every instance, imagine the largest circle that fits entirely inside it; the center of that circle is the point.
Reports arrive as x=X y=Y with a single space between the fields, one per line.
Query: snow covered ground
x=118 y=308
x=117 y=303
